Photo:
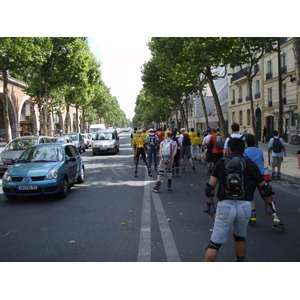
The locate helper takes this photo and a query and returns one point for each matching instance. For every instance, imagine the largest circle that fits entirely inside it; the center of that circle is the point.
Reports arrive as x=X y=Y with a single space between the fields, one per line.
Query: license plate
x=103 y=148
x=27 y=187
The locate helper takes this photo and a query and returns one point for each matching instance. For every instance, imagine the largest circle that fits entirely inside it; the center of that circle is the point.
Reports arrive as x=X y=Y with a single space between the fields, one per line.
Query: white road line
x=144 y=251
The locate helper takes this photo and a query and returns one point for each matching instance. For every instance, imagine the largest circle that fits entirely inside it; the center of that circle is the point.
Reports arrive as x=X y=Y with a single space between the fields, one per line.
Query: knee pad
x=161 y=173
x=239 y=239
x=169 y=171
x=213 y=246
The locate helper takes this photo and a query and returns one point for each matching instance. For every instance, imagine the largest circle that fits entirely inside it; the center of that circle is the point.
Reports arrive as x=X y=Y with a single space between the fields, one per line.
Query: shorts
x=209 y=158
x=232 y=216
x=276 y=161
x=186 y=151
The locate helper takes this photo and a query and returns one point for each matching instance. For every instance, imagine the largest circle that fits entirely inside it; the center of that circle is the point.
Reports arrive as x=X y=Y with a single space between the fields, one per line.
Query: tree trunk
x=217 y=102
x=296 y=48
x=5 y=107
x=254 y=122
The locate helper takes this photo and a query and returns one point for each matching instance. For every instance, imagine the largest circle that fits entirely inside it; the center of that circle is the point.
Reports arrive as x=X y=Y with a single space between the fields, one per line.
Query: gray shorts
x=276 y=161
x=232 y=216
x=185 y=151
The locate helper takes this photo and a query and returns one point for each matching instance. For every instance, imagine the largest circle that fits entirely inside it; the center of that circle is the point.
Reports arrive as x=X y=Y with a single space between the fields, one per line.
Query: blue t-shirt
x=280 y=154
x=257 y=156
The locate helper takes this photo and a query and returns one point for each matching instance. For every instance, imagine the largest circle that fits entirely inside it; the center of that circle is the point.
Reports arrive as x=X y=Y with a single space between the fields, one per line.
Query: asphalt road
x=115 y=217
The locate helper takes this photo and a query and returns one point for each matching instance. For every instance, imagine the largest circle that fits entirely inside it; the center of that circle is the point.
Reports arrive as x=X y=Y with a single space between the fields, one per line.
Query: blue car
x=44 y=169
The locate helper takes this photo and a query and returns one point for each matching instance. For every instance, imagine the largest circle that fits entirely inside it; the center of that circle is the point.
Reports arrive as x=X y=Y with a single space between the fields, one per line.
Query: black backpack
x=277 y=147
x=234 y=168
x=186 y=140
x=152 y=140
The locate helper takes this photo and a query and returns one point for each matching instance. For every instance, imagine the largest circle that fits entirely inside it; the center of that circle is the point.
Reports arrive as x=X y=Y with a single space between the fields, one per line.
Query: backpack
x=167 y=148
x=152 y=140
x=186 y=140
x=219 y=142
x=234 y=168
x=277 y=147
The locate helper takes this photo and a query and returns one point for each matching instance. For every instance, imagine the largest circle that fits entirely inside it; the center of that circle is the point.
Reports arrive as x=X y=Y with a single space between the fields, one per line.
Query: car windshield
x=21 y=144
x=41 y=154
x=104 y=136
x=73 y=137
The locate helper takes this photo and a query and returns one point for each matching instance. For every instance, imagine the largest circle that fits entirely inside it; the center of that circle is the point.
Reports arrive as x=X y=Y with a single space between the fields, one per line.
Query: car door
x=71 y=165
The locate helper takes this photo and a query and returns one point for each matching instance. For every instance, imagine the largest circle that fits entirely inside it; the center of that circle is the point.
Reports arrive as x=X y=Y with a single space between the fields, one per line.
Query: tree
x=19 y=54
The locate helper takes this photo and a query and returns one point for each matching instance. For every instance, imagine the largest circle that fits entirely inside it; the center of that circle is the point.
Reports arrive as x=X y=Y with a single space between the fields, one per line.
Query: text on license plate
x=27 y=187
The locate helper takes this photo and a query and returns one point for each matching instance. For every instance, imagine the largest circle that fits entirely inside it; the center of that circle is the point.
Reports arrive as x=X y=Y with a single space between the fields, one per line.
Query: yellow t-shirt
x=193 y=135
x=139 y=142
x=198 y=140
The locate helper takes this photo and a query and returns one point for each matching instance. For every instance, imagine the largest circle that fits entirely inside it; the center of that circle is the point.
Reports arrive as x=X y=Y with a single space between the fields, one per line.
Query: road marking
x=144 y=251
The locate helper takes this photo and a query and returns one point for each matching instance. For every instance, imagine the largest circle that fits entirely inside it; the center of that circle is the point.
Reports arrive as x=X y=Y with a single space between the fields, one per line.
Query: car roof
x=106 y=130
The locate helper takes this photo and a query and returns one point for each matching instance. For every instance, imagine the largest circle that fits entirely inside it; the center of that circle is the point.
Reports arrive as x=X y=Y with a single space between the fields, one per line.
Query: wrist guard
x=208 y=190
x=267 y=190
x=210 y=209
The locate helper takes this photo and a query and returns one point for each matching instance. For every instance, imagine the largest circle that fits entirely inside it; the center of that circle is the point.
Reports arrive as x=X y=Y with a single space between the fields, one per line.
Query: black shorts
x=209 y=157
x=140 y=151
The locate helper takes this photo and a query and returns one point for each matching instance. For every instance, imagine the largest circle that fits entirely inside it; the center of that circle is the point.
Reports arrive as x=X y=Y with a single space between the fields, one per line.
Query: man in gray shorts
x=233 y=213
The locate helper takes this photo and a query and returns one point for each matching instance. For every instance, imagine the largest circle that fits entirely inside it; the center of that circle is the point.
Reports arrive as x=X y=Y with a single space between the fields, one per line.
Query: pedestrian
x=298 y=155
x=185 y=144
x=160 y=134
x=193 y=147
x=133 y=135
x=208 y=148
x=217 y=150
x=257 y=156
x=167 y=152
x=176 y=162
x=264 y=134
x=232 y=214
x=198 y=141
x=235 y=128
x=152 y=144
x=276 y=144
x=140 y=143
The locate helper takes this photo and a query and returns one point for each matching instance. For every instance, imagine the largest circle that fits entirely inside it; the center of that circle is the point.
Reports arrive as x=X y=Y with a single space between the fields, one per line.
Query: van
x=96 y=127
x=106 y=141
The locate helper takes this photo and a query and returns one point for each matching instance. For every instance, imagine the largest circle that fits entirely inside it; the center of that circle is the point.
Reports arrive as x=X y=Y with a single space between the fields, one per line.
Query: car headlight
x=53 y=174
x=6 y=176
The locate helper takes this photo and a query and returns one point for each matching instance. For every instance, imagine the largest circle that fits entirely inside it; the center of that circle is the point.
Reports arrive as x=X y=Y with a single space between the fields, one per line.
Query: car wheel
x=64 y=188
x=94 y=152
x=80 y=178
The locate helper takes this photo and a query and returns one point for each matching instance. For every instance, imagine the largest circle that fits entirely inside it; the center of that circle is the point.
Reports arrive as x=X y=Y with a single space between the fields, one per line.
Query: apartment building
x=265 y=90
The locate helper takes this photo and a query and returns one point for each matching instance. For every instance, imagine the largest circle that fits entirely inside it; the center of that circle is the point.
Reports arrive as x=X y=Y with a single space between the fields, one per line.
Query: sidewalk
x=289 y=166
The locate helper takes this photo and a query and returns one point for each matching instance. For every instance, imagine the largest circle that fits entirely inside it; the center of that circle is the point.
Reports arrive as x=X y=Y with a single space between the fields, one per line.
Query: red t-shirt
x=215 y=149
x=160 y=135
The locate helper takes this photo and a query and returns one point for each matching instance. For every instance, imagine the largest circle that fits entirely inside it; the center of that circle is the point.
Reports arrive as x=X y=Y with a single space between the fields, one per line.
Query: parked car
x=61 y=139
x=77 y=139
x=16 y=147
x=106 y=141
x=44 y=170
x=87 y=140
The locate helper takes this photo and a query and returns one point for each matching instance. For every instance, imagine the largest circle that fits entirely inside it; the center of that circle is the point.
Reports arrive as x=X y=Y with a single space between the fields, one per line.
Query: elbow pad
x=267 y=190
x=208 y=190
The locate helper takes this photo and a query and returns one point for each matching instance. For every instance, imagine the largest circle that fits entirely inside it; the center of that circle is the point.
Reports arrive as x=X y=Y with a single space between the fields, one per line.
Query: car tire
x=64 y=189
x=80 y=178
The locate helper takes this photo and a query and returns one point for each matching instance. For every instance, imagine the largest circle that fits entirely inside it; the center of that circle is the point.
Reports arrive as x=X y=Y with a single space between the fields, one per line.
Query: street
x=115 y=217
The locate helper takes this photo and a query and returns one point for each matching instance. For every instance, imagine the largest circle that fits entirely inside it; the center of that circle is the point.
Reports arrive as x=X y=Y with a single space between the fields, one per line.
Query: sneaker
x=273 y=175
x=149 y=172
x=135 y=173
x=193 y=167
x=169 y=184
x=252 y=220
x=278 y=175
x=156 y=188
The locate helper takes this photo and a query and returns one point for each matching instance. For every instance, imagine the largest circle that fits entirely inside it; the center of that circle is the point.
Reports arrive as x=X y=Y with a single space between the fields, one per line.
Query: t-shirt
x=280 y=154
x=257 y=156
x=213 y=140
x=139 y=142
x=252 y=173
x=160 y=135
x=192 y=136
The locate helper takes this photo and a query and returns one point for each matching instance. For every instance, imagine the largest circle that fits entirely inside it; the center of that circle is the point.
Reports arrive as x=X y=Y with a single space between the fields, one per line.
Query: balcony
x=269 y=75
x=239 y=74
x=270 y=103
x=240 y=100
x=247 y=98
x=257 y=95
x=284 y=70
x=232 y=102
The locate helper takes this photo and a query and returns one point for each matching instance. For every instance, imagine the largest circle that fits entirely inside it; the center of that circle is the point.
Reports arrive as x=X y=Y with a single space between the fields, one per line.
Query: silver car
x=106 y=141
x=77 y=140
x=16 y=147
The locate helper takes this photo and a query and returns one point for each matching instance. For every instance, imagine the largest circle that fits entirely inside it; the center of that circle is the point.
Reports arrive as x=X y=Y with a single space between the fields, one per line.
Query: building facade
x=25 y=115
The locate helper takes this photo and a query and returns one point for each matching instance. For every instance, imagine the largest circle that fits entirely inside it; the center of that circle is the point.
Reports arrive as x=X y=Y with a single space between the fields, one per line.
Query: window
x=233 y=117
x=240 y=95
x=283 y=63
x=269 y=74
x=257 y=89
x=248 y=117
x=240 y=117
x=270 y=99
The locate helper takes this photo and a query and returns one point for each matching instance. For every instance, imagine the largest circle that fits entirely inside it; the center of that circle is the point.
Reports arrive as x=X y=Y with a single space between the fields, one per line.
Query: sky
x=121 y=61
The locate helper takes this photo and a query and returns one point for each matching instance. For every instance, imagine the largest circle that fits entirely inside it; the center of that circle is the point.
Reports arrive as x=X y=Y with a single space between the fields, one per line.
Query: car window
x=20 y=144
x=41 y=154
x=41 y=141
x=74 y=150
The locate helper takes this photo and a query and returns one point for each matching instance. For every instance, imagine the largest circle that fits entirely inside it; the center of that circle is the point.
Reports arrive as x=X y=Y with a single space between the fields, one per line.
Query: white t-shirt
x=234 y=135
